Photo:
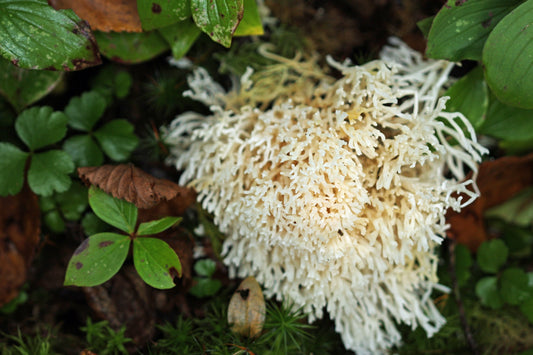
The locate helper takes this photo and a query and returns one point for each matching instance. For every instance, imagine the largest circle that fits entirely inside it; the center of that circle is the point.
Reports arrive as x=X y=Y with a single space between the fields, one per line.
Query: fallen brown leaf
x=246 y=311
x=133 y=185
x=498 y=180
x=104 y=15
x=20 y=223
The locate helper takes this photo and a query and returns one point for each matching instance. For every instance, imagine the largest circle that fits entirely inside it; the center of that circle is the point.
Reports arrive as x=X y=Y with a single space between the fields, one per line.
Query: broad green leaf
x=122 y=84
x=158 y=13
x=156 y=262
x=85 y=110
x=49 y=172
x=117 y=139
x=97 y=259
x=508 y=58
x=517 y=147
x=131 y=48
x=527 y=308
x=181 y=36
x=41 y=126
x=463 y=262
x=218 y=18
x=514 y=288
x=91 y=224
x=83 y=150
x=33 y=35
x=118 y=213
x=492 y=255
x=507 y=122
x=205 y=287
x=73 y=202
x=487 y=292
x=470 y=96
x=154 y=227
x=205 y=267
x=12 y=166
x=54 y=221
x=183 y=10
x=111 y=81
x=250 y=24
x=425 y=25
x=461 y=28
x=22 y=87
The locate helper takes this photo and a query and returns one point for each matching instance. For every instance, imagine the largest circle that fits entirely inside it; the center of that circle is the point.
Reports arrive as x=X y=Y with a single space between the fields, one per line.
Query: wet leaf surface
x=246 y=311
x=19 y=237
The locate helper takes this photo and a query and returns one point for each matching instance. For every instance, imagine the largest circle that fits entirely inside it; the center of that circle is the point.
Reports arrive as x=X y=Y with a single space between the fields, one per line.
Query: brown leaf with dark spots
x=104 y=15
x=498 y=180
x=246 y=310
x=131 y=184
x=20 y=223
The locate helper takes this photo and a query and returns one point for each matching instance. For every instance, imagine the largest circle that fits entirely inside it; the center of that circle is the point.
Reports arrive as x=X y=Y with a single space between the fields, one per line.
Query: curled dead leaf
x=104 y=15
x=246 y=311
x=132 y=184
x=20 y=223
x=498 y=180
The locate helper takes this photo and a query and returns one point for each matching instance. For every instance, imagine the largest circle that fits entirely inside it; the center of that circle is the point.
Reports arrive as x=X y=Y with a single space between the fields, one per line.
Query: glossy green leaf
x=514 y=288
x=41 y=126
x=487 y=291
x=158 y=226
x=83 y=150
x=22 y=87
x=158 y=13
x=49 y=172
x=470 y=96
x=463 y=262
x=250 y=24
x=218 y=18
x=118 y=213
x=527 y=309
x=507 y=122
x=84 y=111
x=117 y=139
x=156 y=262
x=97 y=259
x=131 y=48
x=205 y=287
x=34 y=35
x=205 y=267
x=461 y=28
x=12 y=166
x=492 y=255
x=508 y=58
x=181 y=36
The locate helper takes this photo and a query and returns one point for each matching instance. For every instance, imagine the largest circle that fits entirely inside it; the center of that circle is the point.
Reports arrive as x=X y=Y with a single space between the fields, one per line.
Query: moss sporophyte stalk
x=333 y=193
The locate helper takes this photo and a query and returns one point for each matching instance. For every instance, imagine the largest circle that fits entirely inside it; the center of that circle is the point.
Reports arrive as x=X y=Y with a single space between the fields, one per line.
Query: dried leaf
x=498 y=181
x=104 y=15
x=246 y=311
x=131 y=184
x=19 y=236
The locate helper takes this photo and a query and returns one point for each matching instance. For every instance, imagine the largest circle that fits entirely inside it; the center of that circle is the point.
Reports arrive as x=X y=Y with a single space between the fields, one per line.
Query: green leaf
x=97 y=259
x=461 y=28
x=154 y=227
x=250 y=24
x=91 y=224
x=73 y=202
x=118 y=213
x=40 y=126
x=36 y=36
x=514 y=288
x=83 y=150
x=117 y=139
x=181 y=36
x=131 y=48
x=218 y=18
x=54 y=221
x=122 y=84
x=507 y=122
x=112 y=80
x=183 y=10
x=205 y=267
x=205 y=287
x=84 y=111
x=527 y=308
x=158 y=13
x=518 y=210
x=49 y=172
x=492 y=255
x=487 y=291
x=425 y=25
x=156 y=262
x=12 y=166
x=470 y=96
x=508 y=58
x=22 y=87
x=463 y=262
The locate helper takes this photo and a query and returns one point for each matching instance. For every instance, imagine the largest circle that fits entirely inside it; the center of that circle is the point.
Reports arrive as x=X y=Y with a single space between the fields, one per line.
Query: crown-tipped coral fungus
x=332 y=193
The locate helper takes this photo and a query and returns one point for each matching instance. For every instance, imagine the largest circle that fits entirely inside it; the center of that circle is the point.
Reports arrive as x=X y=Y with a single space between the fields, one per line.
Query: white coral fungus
x=333 y=195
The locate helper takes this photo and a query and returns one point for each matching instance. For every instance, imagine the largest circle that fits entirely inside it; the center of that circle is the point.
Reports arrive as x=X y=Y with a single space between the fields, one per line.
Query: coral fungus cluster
x=333 y=193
